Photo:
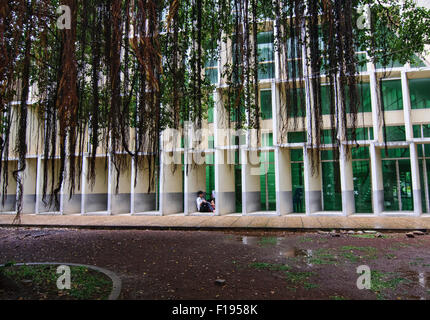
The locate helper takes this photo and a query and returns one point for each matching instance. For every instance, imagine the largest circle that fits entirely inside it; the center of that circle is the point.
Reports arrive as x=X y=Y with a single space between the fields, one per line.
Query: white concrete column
x=84 y=176
x=284 y=188
x=347 y=181
x=38 y=184
x=120 y=201
x=415 y=171
x=111 y=181
x=70 y=205
x=377 y=180
x=225 y=195
x=251 y=172
x=284 y=198
x=132 y=186
x=375 y=98
x=313 y=184
x=171 y=188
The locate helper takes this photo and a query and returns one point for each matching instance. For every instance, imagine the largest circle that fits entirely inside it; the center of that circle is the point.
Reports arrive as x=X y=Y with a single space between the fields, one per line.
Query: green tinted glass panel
x=296 y=137
x=362 y=186
x=394 y=181
x=391 y=199
x=395 y=133
x=328 y=155
x=360 y=134
x=417 y=131
x=236 y=113
x=211 y=105
x=424 y=134
x=296 y=154
x=360 y=153
x=211 y=74
x=392 y=95
x=238 y=187
x=295 y=100
x=297 y=176
x=294 y=68
x=332 y=197
x=406 y=185
x=210 y=180
x=210 y=159
x=211 y=142
x=426 y=130
x=423 y=150
x=267 y=140
x=395 y=153
x=267 y=182
x=326 y=137
x=424 y=164
x=266 y=104
x=265 y=46
x=420 y=93
x=266 y=71
x=325 y=99
x=265 y=54
x=364 y=98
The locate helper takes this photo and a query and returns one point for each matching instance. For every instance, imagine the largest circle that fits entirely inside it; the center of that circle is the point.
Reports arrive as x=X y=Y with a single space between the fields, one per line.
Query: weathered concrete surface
x=227 y=221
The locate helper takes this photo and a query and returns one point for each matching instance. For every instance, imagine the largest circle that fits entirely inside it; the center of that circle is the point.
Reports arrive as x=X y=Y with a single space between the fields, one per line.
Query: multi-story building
x=377 y=178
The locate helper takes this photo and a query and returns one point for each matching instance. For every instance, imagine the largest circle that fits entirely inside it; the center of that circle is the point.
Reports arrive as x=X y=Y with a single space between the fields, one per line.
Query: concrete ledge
x=222 y=222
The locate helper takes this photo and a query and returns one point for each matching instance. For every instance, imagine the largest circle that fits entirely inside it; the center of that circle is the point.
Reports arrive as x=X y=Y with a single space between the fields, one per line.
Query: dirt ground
x=248 y=265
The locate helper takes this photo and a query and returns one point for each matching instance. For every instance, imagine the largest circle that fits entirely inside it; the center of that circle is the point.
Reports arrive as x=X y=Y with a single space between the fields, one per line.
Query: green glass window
x=295 y=102
x=266 y=104
x=417 y=131
x=238 y=113
x=296 y=155
x=211 y=68
x=210 y=174
x=211 y=105
x=297 y=179
x=361 y=134
x=326 y=137
x=325 y=99
x=294 y=66
x=425 y=131
x=267 y=140
x=395 y=133
x=266 y=55
x=392 y=95
x=420 y=93
x=364 y=97
x=211 y=74
x=211 y=142
x=362 y=179
x=267 y=181
x=424 y=150
x=297 y=137
x=238 y=187
x=396 y=172
x=332 y=197
x=424 y=167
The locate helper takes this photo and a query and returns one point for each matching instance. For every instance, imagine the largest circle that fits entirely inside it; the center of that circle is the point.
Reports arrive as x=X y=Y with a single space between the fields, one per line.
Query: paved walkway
x=223 y=222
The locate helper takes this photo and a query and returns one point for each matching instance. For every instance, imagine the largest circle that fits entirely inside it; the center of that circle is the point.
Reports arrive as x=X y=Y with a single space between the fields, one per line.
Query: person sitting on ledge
x=202 y=204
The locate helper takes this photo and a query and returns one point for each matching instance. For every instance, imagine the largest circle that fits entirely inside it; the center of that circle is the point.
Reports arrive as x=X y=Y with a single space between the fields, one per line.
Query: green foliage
x=399 y=30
